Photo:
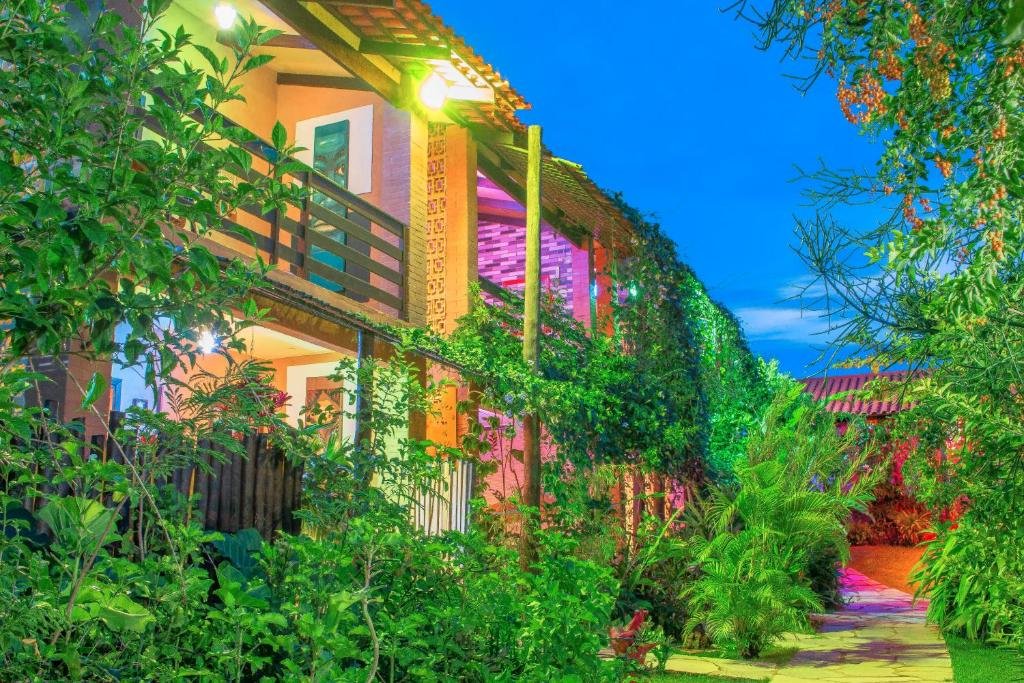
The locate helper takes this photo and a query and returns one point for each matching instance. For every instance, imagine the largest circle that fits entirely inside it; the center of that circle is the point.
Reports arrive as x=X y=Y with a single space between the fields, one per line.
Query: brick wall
x=502 y=258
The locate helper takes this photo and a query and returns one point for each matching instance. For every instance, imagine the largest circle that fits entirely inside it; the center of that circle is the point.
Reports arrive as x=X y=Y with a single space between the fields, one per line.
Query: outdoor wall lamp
x=207 y=342
x=225 y=13
x=433 y=91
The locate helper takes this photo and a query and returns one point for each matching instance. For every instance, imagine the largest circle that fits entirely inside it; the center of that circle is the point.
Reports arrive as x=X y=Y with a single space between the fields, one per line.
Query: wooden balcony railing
x=335 y=239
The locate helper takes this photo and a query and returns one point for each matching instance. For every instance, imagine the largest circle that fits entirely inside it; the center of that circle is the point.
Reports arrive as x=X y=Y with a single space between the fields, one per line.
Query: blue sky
x=670 y=103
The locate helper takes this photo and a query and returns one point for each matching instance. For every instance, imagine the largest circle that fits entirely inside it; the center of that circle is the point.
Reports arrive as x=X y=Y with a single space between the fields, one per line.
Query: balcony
x=343 y=237
x=334 y=239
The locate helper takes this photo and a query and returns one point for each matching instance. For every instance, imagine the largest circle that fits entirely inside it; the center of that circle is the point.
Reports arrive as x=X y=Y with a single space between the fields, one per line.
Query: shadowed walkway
x=879 y=637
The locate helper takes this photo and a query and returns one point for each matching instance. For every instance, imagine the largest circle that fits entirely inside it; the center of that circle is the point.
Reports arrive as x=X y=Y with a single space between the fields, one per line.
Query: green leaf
x=122 y=614
x=1014 y=23
x=210 y=57
x=77 y=521
x=240 y=549
x=279 y=136
x=118 y=612
x=97 y=385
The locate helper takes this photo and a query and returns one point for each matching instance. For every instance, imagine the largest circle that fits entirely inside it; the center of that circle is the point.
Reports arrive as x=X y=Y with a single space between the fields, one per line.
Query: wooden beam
x=389 y=49
x=307 y=24
x=314 y=81
x=285 y=40
x=531 y=346
x=387 y=4
x=492 y=136
x=511 y=221
x=491 y=167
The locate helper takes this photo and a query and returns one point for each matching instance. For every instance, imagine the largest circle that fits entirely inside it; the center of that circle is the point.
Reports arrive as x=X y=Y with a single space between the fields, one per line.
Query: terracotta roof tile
x=822 y=388
x=413 y=22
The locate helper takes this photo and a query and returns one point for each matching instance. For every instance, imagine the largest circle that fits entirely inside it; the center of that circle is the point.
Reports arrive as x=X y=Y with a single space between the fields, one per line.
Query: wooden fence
x=262 y=489
x=259 y=490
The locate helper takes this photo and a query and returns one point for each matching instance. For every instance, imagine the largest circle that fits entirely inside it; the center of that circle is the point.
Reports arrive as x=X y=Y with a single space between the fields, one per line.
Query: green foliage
x=936 y=283
x=972 y=575
x=692 y=357
x=653 y=574
x=793 y=492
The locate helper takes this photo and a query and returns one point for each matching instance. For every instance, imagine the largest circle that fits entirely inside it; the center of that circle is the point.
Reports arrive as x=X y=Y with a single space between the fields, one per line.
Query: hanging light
x=225 y=14
x=208 y=342
x=433 y=91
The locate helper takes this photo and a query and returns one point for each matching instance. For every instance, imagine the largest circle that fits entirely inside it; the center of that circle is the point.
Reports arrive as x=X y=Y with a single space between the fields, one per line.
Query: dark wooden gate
x=260 y=491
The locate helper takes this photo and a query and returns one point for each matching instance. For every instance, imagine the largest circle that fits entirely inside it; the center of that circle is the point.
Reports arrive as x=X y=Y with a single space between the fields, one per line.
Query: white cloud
x=807 y=287
x=784 y=324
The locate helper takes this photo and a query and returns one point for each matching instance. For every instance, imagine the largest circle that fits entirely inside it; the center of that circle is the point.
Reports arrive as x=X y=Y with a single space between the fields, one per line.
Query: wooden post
x=531 y=340
x=366 y=348
x=659 y=496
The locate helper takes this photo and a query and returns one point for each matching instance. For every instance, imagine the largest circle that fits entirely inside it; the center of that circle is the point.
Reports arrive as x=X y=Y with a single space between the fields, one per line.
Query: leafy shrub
x=782 y=521
x=892 y=518
x=972 y=575
x=653 y=573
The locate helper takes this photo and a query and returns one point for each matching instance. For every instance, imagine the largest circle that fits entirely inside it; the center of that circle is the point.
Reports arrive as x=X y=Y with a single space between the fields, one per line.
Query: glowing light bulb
x=225 y=15
x=633 y=291
x=207 y=343
x=433 y=91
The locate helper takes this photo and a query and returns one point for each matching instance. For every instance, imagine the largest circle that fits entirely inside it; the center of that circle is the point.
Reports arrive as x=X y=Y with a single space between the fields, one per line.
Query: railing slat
x=353 y=284
x=354 y=230
x=349 y=254
x=321 y=183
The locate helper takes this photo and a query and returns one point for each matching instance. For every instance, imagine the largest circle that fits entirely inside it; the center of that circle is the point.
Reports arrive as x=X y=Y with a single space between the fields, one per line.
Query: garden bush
x=367 y=594
x=972 y=575
x=779 y=531
x=933 y=279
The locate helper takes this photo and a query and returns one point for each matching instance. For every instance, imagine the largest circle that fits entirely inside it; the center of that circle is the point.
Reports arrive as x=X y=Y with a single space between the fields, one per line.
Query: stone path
x=879 y=637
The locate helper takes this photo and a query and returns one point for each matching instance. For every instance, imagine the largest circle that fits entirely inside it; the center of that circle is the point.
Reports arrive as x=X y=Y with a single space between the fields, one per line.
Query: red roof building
x=836 y=389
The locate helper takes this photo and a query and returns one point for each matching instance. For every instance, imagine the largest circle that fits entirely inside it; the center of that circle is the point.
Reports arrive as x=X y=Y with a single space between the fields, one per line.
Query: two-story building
x=417 y=170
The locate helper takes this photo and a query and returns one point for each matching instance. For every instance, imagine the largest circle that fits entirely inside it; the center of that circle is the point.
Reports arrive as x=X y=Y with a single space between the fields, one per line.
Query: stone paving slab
x=880 y=636
x=724 y=668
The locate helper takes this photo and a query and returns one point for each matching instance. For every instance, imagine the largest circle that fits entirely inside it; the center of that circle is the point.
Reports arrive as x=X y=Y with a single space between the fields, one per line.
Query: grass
x=978 y=663
x=886 y=564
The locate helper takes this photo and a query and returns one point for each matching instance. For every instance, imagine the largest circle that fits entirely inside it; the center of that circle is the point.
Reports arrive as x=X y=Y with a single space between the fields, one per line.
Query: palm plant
x=795 y=487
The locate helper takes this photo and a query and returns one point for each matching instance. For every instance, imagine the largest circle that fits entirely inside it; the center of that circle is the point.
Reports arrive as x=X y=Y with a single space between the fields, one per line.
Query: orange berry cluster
x=979 y=161
x=918 y=28
x=910 y=213
x=1012 y=62
x=889 y=65
x=999 y=132
x=862 y=101
x=995 y=242
x=945 y=166
x=999 y=195
x=831 y=11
